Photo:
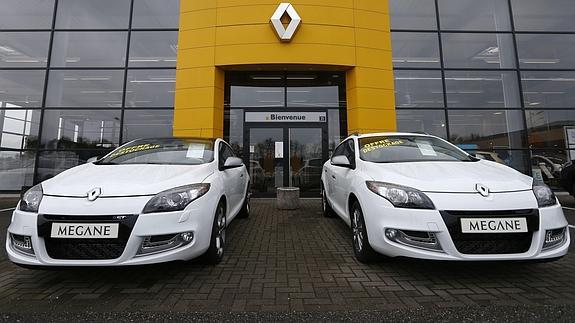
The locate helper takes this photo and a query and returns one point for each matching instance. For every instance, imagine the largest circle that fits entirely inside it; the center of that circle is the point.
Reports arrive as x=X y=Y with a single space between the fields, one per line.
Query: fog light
x=22 y=244
x=162 y=243
x=554 y=238
x=417 y=239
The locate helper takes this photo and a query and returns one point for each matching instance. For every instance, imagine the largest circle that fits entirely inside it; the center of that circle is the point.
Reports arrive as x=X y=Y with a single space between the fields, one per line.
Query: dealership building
x=284 y=82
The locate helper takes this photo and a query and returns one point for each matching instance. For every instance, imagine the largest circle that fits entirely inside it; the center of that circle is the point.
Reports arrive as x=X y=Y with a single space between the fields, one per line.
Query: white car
x=418 y=196
x=148 y=201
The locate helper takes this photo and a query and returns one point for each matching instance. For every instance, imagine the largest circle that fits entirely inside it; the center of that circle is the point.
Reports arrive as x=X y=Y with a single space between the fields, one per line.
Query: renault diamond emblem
x=285 y=34
x=482 y=189
x=94 y=194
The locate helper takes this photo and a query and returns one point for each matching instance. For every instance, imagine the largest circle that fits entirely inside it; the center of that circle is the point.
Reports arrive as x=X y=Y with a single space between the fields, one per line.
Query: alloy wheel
x=221 y=234
x=357 y=230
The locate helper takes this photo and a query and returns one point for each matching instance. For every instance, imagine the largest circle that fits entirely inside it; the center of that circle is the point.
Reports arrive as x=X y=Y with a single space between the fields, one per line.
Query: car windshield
x=166 y=151
x=394 y=149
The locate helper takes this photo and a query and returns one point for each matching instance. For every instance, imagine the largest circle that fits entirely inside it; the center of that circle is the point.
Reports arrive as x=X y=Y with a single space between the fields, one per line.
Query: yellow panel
x=373 y=5
x=374 y=58
x=371 y=120
x=371 y=20
x=196 y=57
x=370 y=77
x=261 y=14
x=295 y=3
x=195 y=38
x=198 y=77
x=194 y=5
x=370 y=98
x=367 y=38
x=198 y=19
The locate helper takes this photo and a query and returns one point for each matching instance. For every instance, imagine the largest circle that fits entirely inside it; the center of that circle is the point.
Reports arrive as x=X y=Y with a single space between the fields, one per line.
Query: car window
x=169 y=151
x=393 y=149
x=225 y=153
x=346 y=149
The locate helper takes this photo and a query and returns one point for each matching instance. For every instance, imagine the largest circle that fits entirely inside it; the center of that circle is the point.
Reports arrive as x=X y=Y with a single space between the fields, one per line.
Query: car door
x=329 y=183
x=341 y=179
x=234 y=179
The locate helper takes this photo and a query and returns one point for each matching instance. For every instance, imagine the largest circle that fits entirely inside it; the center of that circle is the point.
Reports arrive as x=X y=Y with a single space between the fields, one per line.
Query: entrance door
x=285 y=156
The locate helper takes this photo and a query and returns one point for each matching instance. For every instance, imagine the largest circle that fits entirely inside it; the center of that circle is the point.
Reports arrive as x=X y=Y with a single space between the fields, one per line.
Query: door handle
x=333 y=176
x=242 y=175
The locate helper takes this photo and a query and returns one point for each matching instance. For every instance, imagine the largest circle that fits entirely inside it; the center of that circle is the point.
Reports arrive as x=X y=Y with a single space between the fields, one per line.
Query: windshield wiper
x=106 y=163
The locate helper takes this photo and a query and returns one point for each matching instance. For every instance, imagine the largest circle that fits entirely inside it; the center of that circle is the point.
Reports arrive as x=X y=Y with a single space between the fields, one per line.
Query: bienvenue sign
x=286 y=117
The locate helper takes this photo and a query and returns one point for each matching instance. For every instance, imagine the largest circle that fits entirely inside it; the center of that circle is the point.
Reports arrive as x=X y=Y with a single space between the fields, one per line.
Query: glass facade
x=495 y=77
x=80 y=77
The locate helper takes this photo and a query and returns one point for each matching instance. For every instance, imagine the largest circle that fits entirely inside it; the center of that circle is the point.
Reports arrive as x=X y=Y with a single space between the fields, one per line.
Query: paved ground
x=279 y=262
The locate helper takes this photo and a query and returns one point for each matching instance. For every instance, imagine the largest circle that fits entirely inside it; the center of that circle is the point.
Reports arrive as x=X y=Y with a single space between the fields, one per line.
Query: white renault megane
x=149 y=201
x=419 y=196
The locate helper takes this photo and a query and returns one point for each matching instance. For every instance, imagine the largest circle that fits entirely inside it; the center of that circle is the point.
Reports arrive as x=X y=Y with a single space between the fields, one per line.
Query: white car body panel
x=450 y=186
x=126 y=189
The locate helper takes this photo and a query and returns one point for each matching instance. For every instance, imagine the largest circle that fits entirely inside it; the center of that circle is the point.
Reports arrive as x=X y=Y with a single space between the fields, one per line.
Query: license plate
x=493 y=225
x=85 y=230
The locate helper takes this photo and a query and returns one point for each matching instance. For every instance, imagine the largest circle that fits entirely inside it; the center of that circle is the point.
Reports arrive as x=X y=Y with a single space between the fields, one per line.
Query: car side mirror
x=93 y=159
x=341 y=161
x=233 y=162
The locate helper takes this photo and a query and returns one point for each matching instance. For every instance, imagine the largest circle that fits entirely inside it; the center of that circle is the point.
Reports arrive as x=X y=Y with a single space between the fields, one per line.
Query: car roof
x=384 y=134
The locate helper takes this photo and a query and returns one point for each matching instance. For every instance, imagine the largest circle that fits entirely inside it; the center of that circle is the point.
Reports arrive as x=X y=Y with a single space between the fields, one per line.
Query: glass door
x=306 y=158
x=266 y=160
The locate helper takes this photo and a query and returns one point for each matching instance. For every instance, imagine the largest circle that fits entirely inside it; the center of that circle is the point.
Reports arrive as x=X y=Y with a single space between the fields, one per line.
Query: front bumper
x=197 y=218
x=380 y=215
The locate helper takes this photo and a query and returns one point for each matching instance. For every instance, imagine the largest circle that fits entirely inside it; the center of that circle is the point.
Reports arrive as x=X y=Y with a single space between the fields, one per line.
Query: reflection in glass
x=256 y=96
x=486 y=129
x=543 y=89
x=156 y=14
x=546 y=51
x=153 y=48
x=423 y=121
x=90 y=14
x=147 y=124
x=474 y=15
x=16 y=169
x=19 y=128
x=65 y=129
x=415 y=89
x=415 y=49
x=316 y=96
x=235 y=121
x=478 y=50
x=52 y=163
x=150 y=88
x=266 y=171
x=21 y=88
x=334 y=130
x=18 y=49
x=548 y=164
x=412 y=14
x=89 y=49
x=548 y=15
x=549 y=128
x=28 y=14
x=516 y=159
x=85 y=88
x=482 y=89
x=306 y=159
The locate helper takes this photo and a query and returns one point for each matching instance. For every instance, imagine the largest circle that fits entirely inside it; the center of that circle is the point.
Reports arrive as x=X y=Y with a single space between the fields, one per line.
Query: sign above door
x=285 y=117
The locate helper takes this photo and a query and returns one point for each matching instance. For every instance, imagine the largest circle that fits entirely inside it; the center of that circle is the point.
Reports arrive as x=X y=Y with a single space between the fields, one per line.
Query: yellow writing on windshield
x=380 y=144
x=133 y=149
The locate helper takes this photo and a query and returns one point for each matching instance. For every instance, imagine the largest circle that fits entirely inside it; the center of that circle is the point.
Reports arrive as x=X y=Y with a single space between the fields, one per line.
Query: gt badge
x=94 y=194
x=482 y=189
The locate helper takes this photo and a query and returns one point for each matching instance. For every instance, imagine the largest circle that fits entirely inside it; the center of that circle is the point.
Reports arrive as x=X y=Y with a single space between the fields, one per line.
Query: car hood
x=452 y=177
x=124 y=180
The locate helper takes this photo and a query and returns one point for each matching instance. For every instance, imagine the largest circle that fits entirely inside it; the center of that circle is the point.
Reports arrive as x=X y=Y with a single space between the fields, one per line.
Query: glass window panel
x=474 y=15
x=482 y=89
x=412 y=14
x=550 y=128
x=148 y=124
x=85 y=88
x=150 y=88
x=19 y=128
x=487 y=129
x=548 y=163
x=478 y=50
x=65 y=129
x=93 y=14
x=548 y=89
x=517 y=159
x=546 y=51
x=52 y=163
x=16 y=169
x=313 y=96
x=26 y=14
x=334 y=130
x=235 y=121
x=416 y=89
x=415 y=49
x=153 y=48
x=89 y=49
x=427 y=121
x=257 y=96
x=547 y=15
x=21 y=88
x=19 y=49
x=156 y=14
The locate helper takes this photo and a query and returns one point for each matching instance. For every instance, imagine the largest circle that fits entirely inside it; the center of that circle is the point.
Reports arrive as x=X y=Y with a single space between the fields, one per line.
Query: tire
x=325 y=207
x=361 y=247
x=245 y=211
x=215 y=252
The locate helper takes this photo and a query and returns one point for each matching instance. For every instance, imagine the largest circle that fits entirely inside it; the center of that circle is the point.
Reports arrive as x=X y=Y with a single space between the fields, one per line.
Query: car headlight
x=175 y=199
x=31 y=200
x=401 y=196
x=544 y=195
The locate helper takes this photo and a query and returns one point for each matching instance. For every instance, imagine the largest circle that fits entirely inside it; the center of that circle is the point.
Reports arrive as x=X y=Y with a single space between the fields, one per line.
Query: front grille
x=86 y=249
x=491 y=243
